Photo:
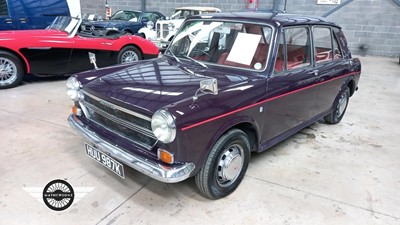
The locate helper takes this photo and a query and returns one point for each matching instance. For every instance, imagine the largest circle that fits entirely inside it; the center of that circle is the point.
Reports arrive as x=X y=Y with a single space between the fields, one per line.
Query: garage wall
x=372 y=27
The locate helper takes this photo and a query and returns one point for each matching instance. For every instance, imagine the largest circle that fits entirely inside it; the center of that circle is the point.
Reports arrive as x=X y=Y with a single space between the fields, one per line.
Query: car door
x=101 y=47
x=290 y=91
x=329 y=64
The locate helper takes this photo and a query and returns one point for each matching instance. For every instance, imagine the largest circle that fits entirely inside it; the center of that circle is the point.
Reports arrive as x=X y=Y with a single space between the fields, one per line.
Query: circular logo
x=58 y=195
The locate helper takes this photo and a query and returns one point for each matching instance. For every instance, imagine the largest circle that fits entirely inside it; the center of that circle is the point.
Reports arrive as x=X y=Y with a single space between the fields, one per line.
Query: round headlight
x=163 y=126
x=171 y=26
x=150 y=24
x=73 y=87
x=73 y=83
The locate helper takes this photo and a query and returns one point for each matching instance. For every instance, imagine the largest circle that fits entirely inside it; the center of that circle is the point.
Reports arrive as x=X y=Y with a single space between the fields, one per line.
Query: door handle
x=8 y=20
x=23 y=20
x=106 y=43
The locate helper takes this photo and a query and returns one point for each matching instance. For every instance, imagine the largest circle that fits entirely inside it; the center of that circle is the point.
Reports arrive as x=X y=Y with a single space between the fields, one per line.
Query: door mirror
x=209 y=86
x=92 y=59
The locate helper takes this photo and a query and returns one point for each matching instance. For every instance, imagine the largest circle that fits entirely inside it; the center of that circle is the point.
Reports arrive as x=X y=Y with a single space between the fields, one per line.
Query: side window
x=294 y=49
x=185 y=14
x=3 y=8
x=323 y=44
x=337 y=53
x=151 y=16
x=298 y=47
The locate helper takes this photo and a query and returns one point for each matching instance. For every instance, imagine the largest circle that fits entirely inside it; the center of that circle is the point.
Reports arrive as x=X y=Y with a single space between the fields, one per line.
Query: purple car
x=228 y=85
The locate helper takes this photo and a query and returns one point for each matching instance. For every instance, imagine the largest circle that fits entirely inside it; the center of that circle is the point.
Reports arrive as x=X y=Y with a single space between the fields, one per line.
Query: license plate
x=105 y=160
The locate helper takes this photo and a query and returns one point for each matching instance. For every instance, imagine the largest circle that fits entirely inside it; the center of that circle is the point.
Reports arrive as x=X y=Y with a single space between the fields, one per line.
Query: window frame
x=283 y=34
x=314 y=47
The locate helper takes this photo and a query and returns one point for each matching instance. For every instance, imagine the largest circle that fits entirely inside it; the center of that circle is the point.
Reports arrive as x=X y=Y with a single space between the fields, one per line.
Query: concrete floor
x=343 y=174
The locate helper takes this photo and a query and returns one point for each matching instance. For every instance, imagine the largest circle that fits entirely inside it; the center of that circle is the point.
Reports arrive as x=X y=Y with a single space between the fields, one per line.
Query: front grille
x=91 y=28
x=131 y=125
x=165 y=30
x=162 y=30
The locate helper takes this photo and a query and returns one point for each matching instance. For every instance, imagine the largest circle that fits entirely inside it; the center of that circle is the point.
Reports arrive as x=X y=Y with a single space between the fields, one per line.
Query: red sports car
x=62 y=49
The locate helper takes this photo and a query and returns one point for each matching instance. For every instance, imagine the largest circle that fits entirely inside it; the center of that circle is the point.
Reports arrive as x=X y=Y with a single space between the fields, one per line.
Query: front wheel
x=225 y=165
x=337 y=114
x=11 y=71
x=129 y=54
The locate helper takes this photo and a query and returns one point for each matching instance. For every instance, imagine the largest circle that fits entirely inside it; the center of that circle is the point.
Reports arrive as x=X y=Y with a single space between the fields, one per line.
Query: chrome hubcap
x=8 y=71
x=342 y=104
x=230 y=165
x=129 y=56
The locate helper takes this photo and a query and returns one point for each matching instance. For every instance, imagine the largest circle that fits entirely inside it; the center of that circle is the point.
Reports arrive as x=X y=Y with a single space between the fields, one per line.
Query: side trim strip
x=264 y=101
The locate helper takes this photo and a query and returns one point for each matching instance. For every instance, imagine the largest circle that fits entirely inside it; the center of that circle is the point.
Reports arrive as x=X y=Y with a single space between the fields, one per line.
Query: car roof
x=276 y=19
x=199 y=8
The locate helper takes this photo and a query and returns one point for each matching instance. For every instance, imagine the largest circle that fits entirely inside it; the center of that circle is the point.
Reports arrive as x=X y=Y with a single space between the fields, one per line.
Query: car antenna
x=284 y=7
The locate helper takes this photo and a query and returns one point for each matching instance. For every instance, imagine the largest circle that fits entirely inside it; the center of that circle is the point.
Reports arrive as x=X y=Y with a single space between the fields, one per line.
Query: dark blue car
x=28 y=14
x=229 y=84
x=127 y=21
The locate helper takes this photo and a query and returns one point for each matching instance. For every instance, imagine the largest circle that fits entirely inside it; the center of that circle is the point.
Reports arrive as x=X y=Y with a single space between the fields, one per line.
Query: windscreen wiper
x=193 y=60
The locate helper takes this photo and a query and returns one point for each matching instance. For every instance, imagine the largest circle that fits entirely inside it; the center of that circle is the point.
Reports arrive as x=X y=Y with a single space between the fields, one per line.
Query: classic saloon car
x=228 y=85
x=62 y=49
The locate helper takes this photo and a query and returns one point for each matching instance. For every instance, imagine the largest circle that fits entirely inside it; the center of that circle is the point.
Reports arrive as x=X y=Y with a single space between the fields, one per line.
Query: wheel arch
x=246 y=124
x=22 y=58
x=128 y=31
x=352 y=86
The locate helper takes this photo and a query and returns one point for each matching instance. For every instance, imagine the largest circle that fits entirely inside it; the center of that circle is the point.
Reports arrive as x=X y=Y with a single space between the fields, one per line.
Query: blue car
x=28 y=14
x=127 y=21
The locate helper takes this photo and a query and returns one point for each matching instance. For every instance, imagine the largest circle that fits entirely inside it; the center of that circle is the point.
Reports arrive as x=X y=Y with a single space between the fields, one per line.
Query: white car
x=165 y=29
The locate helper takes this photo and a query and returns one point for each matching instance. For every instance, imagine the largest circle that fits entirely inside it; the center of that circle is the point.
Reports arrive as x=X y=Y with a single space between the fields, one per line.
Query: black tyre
x=337 y=114
x=11 y=70
x=225 y=165
x=129 y=54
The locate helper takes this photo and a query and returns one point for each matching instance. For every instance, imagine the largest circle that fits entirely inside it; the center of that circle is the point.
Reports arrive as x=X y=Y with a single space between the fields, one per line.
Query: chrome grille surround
x=125 y=123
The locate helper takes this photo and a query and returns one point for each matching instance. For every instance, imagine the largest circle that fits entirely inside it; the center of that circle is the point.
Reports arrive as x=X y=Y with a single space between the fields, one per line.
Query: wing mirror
x=208 y=86
x=92 y=59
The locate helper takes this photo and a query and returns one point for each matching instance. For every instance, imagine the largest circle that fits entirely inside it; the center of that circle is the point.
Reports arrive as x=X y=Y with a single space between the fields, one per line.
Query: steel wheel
x=225 y=165
x=8 y=71
x=342 y=104
x=337 y=114
x=129 y=54
x=230 y=165
x=11 y=72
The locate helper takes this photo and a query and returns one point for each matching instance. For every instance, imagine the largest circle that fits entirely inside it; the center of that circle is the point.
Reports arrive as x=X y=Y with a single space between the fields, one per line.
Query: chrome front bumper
x=150 y=168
